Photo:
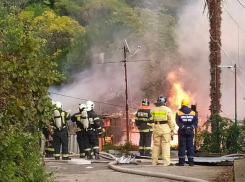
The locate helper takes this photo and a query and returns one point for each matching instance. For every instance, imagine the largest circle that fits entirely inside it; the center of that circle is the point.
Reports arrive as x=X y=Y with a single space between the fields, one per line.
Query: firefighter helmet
x=185 y=102
x=58 y=105
x=82 y=107
x=162 y=99
x=90 y=105
x=145 y=102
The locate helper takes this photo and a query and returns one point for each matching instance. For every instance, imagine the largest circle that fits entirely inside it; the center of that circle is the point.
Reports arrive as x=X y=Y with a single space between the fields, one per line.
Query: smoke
x=103 y=82
x=193 y=40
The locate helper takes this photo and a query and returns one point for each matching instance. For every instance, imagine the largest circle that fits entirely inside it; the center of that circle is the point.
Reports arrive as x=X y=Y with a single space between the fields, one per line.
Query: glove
x=172 y=135
x=189 y=130
x=100 y=134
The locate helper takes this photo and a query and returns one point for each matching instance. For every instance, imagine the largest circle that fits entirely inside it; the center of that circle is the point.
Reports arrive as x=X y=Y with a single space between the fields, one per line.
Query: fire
x=177 y=93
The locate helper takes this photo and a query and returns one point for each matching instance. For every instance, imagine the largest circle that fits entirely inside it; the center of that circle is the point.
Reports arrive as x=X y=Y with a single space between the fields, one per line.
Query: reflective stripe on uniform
x=145 y=130
x=147 y=148
x=82 y=154
x=50 y=149
x=65 y=155
x=158 y=113
x=79 y=129
x=96 y=147
x=181 y=113
x=140 y=147
x=96 y=118
x=63 y=117
x=150 y=124
x=56 y=155
x=160 y=132
x=88 y=149
x=143 y=119
x=181 y=157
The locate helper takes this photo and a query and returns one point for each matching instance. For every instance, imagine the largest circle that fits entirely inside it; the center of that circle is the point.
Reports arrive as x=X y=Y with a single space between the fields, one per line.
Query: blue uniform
x=187 y=121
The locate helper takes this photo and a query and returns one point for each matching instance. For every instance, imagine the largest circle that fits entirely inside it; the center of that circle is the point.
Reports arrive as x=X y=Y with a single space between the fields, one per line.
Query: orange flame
x=177 y=93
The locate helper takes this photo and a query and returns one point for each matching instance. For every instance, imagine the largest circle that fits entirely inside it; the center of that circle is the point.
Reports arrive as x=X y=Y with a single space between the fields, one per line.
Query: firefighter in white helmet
x=92 y=132
x=81 y=119
x=60 y=132
x=162 y=130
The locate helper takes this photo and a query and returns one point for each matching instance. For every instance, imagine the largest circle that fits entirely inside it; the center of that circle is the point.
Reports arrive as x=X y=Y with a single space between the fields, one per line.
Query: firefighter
x=60 y=132
x=144 y=122
x=93 y=131
x=187 y=121
x=78 y=118
x=48 y=134
x=162 y=130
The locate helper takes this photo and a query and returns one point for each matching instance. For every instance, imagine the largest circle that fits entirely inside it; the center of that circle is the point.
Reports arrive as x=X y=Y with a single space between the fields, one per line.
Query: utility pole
x=125 y=51
x=235 y=111
x=234 y=67
x=126 y=91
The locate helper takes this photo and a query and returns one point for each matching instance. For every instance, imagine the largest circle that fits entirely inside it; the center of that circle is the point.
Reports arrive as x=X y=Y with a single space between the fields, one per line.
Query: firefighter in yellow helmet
x=162 y=130
x=187 y=121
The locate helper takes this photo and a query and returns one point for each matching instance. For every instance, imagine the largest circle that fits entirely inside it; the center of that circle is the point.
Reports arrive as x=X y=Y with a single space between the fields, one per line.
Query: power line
x=240 y=82
x=84 y=99
x=233 y=19
x=240 y=3
x=233 y=62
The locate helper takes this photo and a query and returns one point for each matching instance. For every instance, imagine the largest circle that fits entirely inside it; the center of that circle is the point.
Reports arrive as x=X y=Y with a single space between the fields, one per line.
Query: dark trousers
x=91 y=142
x=186 y=143
x=80 y=141
x=49 y=148
x=61 y=138
x=145 y=143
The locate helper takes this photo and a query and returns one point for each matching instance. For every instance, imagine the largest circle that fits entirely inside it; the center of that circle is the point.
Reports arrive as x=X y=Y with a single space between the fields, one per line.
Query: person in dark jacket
x=187 y=121
x=144 y=122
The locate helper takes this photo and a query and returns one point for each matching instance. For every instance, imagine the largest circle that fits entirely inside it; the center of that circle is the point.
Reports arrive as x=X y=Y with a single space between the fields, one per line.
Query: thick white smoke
x=193 y=41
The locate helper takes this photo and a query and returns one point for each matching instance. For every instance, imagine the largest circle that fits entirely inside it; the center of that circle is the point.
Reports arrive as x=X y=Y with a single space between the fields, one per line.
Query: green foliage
x=123 y=148
x=222 y=137
x=26 y=75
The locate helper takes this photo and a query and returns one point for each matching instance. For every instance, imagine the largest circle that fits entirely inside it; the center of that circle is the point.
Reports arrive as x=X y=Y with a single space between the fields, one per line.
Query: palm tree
x=214 y=12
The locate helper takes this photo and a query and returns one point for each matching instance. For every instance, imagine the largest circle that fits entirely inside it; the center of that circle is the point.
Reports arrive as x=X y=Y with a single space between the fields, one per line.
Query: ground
x=64 y=172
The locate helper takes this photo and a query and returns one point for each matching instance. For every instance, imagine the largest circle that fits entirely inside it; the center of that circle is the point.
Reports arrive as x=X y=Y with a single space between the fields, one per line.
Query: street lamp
x=234 y=67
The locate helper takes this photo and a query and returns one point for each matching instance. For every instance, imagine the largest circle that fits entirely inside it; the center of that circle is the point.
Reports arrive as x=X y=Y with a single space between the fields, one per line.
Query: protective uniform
x=49 y=146
x=187 y=121
x=144 y=122
x=162 y=130
x=92 y=132
x=60 y=132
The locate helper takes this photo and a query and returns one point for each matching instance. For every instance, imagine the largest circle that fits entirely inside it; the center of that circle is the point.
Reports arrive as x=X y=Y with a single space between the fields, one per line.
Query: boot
x=66 y=158
x=89 y=157
x=148 y=154
x=96 y=154
x=191 y=164
x=82 y=157
x=179 y=164
x=57 y=158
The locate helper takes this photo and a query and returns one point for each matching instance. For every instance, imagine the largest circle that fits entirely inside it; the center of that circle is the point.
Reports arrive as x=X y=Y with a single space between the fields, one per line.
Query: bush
x=125 y=148
x=222 y=137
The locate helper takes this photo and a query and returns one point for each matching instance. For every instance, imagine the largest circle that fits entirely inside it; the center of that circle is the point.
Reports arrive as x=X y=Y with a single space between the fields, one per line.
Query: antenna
x=127 y=46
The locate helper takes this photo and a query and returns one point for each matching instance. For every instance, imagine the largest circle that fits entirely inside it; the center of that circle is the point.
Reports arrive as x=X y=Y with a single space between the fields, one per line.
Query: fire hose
x=112 y=165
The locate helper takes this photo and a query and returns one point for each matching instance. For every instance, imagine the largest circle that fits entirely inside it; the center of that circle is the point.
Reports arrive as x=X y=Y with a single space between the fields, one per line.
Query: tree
x=214 y=11
x=26 y=75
